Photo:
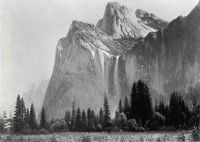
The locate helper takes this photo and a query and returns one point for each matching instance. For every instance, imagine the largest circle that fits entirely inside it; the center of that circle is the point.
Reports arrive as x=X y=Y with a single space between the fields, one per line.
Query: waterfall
x=116 y=80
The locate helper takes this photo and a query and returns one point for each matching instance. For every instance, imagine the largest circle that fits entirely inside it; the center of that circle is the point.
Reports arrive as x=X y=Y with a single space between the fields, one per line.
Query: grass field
x=100 y=137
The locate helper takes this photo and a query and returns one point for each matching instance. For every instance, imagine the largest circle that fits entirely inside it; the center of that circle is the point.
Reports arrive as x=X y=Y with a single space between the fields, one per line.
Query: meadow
x=101 y=137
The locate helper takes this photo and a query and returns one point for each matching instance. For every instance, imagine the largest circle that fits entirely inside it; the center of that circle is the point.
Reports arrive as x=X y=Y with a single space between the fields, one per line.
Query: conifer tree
x=33 y=123
x=134 y=99
x=93 y=117
x=120 y=106
x=17 y=116
x=126 y=108
x=43 y=122
x=101 y=117
x=27 y=118
x=147 y=107
x=141 y=105
x=23 y=114
x=164 y=110
x=89 y=119
x=106 y=112
x=78 y=120
x=84 y=121
x=178 y=110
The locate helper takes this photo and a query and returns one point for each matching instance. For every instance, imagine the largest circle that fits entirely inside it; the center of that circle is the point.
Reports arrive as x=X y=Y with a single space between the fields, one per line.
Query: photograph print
x=100 y=71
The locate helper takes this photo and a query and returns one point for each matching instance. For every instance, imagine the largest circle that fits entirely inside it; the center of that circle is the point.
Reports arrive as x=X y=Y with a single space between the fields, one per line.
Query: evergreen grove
x=134 y=114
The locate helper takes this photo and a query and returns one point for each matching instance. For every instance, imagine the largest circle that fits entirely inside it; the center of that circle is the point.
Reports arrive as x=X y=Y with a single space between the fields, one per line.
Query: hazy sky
x=30 y=30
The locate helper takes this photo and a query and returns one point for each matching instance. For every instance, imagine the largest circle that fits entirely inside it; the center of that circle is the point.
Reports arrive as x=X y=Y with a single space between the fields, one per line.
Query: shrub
x=194 y=121
x=158 y=120
x=123 y=121
x=99 y=128
x=59 y=126
x=132 y=125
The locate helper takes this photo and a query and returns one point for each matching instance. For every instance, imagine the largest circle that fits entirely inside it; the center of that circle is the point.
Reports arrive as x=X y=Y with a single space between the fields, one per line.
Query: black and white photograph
x=99 y=70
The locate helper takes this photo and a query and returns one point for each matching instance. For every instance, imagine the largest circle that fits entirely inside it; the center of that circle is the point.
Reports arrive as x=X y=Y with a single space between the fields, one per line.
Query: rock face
x=94 y=61
x=150 y=19
x=86 y=68
x=169 y=59
x=119 y=21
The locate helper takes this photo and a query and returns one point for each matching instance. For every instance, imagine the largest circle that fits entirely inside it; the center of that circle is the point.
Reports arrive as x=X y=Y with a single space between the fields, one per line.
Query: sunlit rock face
x=119 y=21
x=89 y=64
x=94 y=61
x=86 y=68
x=150 y=20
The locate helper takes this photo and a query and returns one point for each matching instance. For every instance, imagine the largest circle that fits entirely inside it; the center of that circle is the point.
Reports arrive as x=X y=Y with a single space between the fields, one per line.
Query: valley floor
x=101 y=137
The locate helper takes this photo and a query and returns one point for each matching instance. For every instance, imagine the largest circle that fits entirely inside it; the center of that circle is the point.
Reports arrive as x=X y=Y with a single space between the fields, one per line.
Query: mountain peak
x=119 y=21
x=116 y=7
x=150 y=19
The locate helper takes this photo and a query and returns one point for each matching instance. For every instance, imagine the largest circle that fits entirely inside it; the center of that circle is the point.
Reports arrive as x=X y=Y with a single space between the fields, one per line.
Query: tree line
x=133 y=114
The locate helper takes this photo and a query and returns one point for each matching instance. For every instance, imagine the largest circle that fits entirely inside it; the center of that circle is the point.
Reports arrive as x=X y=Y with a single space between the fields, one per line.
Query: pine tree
x=141 y=105
x=27 y=119
x=93 y=117
x=43 y=122
x=120 y=107
x=84 y=121
x=163 y=109
x=174 y=110
x=33 y=123
x=106 y=112
x=178 y=110
x=23 y=114
x=17 y=116
x=101 y=117
x=134 y=99
x=148 y=108
x=89 y=119
x=78 y=120
x=126 y=108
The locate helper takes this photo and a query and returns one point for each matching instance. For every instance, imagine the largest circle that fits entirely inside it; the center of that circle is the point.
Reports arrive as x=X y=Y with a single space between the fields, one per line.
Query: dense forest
x=134 y=114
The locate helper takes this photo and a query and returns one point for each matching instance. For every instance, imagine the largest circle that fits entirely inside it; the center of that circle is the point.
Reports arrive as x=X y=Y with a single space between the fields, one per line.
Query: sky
x=30 y=30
